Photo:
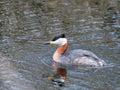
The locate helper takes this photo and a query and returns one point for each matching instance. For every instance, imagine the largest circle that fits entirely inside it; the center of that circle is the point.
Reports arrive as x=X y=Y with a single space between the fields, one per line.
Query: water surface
x=89 y=24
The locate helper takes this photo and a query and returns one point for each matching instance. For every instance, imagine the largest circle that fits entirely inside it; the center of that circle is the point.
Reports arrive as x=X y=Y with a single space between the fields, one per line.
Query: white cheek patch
x=61 y=41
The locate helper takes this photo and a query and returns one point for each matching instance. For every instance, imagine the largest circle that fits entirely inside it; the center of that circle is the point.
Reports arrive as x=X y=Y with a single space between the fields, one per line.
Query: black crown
x=59 y=36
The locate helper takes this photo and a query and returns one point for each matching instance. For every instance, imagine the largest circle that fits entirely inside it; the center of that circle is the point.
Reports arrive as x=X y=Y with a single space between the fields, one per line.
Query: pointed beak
x=49 y=43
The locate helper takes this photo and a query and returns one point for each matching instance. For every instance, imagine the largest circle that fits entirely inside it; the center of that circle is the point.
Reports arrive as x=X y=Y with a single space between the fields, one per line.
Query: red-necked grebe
x=75 y=57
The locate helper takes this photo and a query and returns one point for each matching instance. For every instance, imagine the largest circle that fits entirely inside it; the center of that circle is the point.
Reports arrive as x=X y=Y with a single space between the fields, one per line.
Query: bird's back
x=81 y=57
x=85 y=57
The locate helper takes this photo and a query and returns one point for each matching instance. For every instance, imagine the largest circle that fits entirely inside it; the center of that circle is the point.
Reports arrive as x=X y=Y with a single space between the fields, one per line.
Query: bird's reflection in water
x=58 y=77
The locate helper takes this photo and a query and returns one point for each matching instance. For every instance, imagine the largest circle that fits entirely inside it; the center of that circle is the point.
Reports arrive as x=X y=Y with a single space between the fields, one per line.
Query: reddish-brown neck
x=60 y=50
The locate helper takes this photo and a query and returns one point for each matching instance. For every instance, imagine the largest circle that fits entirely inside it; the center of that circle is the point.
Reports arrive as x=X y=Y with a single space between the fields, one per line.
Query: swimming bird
x=74 y=57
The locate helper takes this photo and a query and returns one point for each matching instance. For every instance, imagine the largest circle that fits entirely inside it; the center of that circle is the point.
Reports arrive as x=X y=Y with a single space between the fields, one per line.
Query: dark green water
x=89 y=24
